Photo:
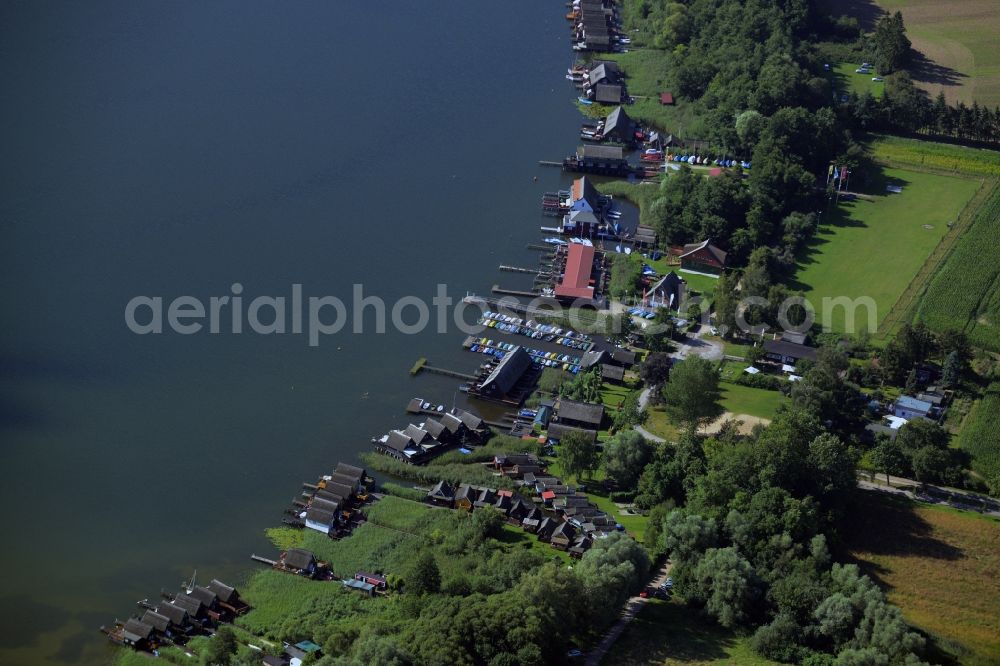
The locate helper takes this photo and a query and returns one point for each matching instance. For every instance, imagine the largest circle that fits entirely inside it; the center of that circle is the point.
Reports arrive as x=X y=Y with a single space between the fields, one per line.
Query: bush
x=622 y=496
x=762 y=381
x=390 y=488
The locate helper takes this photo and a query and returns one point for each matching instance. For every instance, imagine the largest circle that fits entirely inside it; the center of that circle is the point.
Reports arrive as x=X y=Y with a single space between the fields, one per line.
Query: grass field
x=965 y=293
x=873 y=247
x=957 y=46
x=666 y=632
x=846 y=81
x=752 y=401
x=646 y=79
x=940 y=566
x=900 y=152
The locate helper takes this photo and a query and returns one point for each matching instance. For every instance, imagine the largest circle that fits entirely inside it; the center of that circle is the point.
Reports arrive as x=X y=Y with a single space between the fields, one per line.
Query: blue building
x=908 y=407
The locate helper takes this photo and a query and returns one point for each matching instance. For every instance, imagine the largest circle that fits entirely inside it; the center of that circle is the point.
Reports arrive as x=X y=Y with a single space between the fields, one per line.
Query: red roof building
x=576 y=278
x=549 y=495
x=666 y=98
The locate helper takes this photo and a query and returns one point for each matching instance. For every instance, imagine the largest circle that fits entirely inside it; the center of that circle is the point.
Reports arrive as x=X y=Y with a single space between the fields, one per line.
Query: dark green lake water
x=170 y=149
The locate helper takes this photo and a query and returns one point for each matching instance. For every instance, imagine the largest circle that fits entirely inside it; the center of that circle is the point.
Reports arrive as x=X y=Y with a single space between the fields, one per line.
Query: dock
x=497 y=289
x=263 y=560
x=549 y=163
x=517 y=269
x=421 y=365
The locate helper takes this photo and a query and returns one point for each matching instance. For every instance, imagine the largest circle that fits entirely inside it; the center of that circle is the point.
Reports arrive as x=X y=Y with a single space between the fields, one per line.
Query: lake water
x=170 y=149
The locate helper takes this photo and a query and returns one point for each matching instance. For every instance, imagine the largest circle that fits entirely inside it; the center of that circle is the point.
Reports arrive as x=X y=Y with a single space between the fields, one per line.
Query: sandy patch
x=747 y=423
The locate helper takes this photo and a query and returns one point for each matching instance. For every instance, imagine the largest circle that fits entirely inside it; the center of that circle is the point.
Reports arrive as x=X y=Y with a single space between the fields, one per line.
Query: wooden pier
x=263 y=560
x=497 y=289
x=517 y=269
x=421 y=365
x=549 y=163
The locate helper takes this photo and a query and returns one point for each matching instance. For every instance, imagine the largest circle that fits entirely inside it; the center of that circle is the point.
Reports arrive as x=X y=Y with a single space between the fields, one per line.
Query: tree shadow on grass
x=669 y=630
x=866 y=11
x=885 y=524
x=924 y=70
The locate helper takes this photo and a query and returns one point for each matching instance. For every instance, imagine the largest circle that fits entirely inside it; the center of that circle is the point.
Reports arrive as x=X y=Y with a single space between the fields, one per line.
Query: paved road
x=643 y=401
x=697 y=345
x=632 y=608
x=952 y=497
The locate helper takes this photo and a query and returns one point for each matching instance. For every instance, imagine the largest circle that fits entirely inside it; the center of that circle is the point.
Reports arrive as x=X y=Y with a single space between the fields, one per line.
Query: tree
x=487 y=521
x=692 y=392
x=727 y=585
x=629 y=413
x=222 y=647
x=892 y=47
x=655 y=370
x=577 y=453
x=625 y=456
x=888 y=457
x=952 y=371
x=726 y=303
x=424 y=576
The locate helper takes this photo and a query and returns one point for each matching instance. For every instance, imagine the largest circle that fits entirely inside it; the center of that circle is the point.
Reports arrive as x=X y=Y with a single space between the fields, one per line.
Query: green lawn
x=752 y=401
x=658 y=424
x=667 y=632
x=872 y=248
x=846 y=81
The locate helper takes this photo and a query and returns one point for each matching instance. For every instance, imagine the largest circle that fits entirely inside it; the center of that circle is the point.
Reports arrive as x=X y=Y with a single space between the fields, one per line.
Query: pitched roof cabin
x=619 y=127
x=605 y=71
x=465 y=496
x=344 y=480
x=562 y=536
x=157 y=621
x=666 y=98
x=557 y=431
x=178 y=616
x=787 y=352
x=576 y=277
x=441 y=494
x=505 y=376
x=320 y=519
x=703 y=258
x=584 y=196
x=299 y=560
x=668 y=292
x=228 y=596
x=192 y=604
x=206 y=597
x=579 y=414
x=358 y=474
x=136 y=633
x=608 y=94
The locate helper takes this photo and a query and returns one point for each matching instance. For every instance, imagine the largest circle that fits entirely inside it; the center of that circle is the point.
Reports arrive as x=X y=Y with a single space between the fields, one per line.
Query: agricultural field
x=668 y=632
x=846 y=80
x=956 y=45
x=965 y=293
x=901 y=152
x=940 y=566
x=981 y=436
x=873 y=246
